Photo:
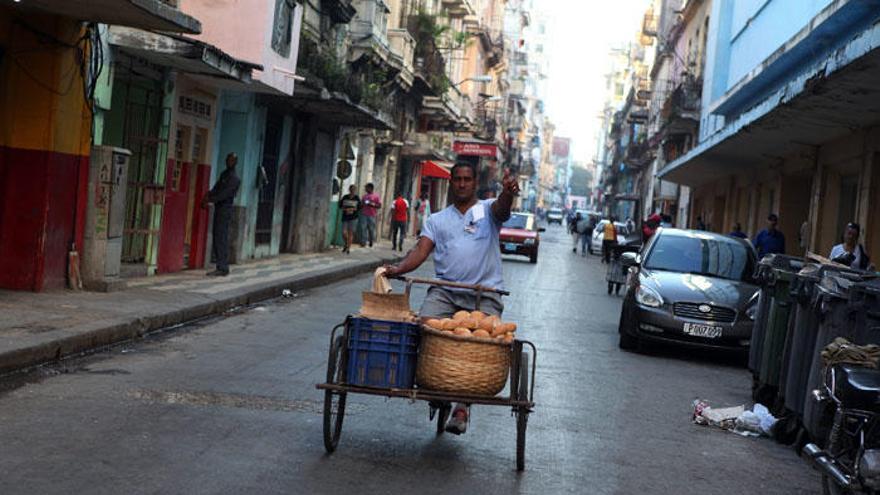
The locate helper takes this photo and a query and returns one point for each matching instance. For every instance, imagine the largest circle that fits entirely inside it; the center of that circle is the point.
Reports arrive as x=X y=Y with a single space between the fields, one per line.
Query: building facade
x=788 y=122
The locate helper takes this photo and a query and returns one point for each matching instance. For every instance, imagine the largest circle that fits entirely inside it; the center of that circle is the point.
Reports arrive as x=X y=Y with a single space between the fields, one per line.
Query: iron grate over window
x=715 y=313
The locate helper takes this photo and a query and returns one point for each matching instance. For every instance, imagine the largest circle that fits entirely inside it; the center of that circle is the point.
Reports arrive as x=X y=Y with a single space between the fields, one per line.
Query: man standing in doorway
x=367 y=221
x=399 y=217
x=770 y=240
x=351 y=204
x=222 y=197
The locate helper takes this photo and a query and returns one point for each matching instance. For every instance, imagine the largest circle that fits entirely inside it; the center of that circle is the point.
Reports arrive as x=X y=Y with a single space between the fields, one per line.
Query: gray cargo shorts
x=443 y=303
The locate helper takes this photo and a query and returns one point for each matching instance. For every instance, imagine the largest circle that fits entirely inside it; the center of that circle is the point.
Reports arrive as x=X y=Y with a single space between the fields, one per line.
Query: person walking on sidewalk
x=422 y=212
x=222 y=196
x=399 y=217
x=609 y=239
x=367 y=222
x=464 y=238
x=584 y=232
x=770 y=240
x=573 y=231
x=351 y=204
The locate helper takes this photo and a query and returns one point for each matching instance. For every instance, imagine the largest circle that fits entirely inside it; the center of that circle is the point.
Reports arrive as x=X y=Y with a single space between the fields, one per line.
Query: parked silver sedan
x=691 y=288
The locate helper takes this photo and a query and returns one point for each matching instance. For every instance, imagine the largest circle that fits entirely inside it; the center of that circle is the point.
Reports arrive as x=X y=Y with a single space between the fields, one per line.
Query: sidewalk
x=40 y=327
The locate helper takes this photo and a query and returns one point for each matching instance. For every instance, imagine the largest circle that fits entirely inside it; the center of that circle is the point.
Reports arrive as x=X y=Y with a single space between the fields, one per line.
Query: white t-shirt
x=839 y=250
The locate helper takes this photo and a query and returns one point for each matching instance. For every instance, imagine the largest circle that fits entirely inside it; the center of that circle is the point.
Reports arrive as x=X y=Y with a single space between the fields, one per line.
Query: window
x=520 y=221
x=281 y=27
x=701 y=255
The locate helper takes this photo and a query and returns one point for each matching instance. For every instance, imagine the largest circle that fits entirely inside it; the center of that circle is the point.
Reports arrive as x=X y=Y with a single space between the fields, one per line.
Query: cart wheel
x=522 y=413
x=442 y=415
x=334 y=401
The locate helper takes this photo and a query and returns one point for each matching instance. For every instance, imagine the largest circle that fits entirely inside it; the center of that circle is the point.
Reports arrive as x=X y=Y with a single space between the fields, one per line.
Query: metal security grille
x=716 y=313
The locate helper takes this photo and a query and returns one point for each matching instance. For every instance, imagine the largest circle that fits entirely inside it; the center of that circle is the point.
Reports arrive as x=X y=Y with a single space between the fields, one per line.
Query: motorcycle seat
x=856 y=386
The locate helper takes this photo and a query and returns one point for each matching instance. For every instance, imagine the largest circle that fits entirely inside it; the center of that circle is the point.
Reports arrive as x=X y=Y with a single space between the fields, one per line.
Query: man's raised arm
x=502 y=206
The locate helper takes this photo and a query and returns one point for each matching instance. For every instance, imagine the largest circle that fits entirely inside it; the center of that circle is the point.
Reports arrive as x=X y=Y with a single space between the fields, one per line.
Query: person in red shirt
x=399 y=217
x=649 y=227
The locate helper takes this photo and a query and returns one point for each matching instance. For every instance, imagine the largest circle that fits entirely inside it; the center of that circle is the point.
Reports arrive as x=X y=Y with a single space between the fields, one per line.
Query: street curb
x=117 y=331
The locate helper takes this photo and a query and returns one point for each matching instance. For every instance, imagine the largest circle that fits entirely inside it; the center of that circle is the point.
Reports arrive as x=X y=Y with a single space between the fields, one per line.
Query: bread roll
x=468 y=323
x=435 y=323
x=478 y=315
x=449 y=324
x=509 y=327
x=482 y=334
x=487 y=323
x=462 y=331
x=508 y=338
x=460 y=315
x=498 y=330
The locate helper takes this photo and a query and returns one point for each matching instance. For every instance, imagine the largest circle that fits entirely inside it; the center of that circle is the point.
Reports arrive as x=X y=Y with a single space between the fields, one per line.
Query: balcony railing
x=402 y=52
x=459 y=8
x=369 y=28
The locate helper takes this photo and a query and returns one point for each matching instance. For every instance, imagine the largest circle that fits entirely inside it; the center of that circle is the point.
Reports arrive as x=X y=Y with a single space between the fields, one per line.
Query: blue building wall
x=747 y=57
x=760 y=27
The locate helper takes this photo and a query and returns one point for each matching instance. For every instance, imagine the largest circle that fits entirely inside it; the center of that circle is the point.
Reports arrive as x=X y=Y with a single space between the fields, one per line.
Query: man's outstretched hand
x=509 y=183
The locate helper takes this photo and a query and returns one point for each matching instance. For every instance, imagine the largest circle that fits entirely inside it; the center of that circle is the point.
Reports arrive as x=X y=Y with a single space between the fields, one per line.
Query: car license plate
x=700 y=330
x=509 y=246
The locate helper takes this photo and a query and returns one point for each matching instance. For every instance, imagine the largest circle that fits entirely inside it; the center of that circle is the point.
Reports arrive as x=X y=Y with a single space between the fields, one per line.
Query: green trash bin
x=783 y=270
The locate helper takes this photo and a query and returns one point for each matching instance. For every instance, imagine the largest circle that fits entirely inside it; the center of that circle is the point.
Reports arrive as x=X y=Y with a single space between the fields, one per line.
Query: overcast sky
x=581 y=35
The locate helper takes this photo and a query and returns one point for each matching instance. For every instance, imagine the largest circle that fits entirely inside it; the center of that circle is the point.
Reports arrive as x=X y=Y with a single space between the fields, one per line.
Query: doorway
x=139 y=122
x=268 y=178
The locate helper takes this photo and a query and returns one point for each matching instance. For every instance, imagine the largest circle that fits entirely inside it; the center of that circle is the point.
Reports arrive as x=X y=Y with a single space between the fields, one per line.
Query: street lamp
x=482 y=79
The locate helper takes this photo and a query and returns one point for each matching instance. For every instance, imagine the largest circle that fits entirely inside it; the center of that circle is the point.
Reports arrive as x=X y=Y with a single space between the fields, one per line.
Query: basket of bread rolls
x=468 y=353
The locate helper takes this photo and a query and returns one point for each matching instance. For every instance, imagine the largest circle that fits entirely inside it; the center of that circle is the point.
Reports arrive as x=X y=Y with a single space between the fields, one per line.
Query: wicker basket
x=450 y=363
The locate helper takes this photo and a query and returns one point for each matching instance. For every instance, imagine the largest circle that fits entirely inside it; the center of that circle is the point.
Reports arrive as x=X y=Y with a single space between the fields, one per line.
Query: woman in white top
x=850 y=252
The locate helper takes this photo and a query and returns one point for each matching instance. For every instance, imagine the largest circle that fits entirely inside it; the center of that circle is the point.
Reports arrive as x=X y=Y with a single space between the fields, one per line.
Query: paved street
x=229 y=406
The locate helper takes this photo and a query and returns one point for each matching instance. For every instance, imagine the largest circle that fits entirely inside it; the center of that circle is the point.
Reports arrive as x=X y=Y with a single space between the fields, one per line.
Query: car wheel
x=627 y=341
x=533 y=258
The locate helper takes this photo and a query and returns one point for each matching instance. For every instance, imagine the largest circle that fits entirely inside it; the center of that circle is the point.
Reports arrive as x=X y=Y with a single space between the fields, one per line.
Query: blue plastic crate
x=382 y=353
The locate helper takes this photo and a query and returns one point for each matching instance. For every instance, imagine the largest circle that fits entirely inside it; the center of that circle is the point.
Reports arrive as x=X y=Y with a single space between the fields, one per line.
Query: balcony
x=459 y=8
x=471 y=23
x=340 y=11
x=432 y=145
x=429 y=63
x=493 y=47
x=402 y=50
x=684 y=101
x=159 y=15
x=639 y=154
x=368 y=29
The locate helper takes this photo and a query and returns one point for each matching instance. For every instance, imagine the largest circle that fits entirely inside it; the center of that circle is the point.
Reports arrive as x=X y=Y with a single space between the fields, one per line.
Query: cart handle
x=431 y=281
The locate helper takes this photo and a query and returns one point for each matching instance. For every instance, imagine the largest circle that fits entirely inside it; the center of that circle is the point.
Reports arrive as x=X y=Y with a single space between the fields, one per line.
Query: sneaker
x=217 y=273
x=458 y=422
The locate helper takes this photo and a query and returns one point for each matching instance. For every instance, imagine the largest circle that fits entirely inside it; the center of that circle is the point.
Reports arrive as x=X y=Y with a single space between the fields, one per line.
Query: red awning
x=439 y=170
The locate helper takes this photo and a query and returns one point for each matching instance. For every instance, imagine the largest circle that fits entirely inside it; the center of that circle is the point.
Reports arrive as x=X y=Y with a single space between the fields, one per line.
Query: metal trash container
x=803 y=331
x=836 y=318
x=776 y=282
x=800 y=338
x=762 y=272
x=803 y=328
x=865 y=302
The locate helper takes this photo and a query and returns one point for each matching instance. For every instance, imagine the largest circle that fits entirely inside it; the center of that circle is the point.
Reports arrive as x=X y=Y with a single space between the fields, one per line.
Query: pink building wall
x=243 y=29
